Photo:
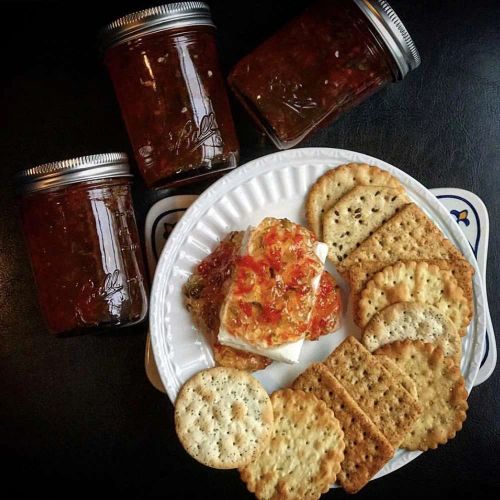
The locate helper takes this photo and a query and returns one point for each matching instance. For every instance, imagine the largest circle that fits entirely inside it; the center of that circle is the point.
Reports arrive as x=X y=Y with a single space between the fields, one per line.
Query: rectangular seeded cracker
x=388 y=404
x=356 y=215
x=408 y=235
x=366 y=448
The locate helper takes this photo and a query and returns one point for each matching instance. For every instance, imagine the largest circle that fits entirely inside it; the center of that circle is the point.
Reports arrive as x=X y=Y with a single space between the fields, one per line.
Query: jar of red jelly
x=325 y=61
x=83 y=243
x=165 y=70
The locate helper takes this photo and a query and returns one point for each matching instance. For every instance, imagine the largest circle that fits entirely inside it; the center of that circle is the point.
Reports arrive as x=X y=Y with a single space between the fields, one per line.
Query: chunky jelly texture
x=86 y=256
x=320 y=64
x=174 y=103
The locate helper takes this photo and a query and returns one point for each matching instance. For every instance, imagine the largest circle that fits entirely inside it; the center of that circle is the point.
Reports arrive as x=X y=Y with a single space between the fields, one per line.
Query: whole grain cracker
x=413 y=321
x=409 y=235
x=332 y=185
x=360 y=273
x=223 y=417
x=414 y=282
x=356 y=216
x=366 y=448
x=388 y=404
x=304 y=455
x=441 y=392
x=398 y=376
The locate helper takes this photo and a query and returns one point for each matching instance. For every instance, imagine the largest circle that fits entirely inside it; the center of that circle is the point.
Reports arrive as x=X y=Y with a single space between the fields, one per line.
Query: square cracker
x=388 y=404
x=356 y=216
x=409 y=235
x=366 y=448
x=359 y=274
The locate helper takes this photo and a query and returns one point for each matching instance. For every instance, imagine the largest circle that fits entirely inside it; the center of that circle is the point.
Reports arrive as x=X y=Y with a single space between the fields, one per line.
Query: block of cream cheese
x=269 y=303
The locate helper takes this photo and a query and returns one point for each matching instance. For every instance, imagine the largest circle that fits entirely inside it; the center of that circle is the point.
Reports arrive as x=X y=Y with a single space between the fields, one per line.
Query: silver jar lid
x=154 y=19
x=393 y=33
x=83 y=168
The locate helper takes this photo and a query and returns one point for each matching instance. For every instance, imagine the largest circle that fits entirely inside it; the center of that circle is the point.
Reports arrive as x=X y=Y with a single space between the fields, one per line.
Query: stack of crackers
x=411 y=293
x=397 y=262
x=406 y=394
x=341 y=421
x=401 y=386
x=385 y=247
x=289 y=445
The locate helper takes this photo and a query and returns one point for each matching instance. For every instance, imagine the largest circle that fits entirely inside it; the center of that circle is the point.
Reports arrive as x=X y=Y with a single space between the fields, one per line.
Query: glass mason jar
x=82 y=238
x=165 y=70
x=322 y=63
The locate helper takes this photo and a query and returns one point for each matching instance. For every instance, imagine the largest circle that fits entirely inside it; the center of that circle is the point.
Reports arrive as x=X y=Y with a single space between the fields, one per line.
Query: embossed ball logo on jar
x=192 y=137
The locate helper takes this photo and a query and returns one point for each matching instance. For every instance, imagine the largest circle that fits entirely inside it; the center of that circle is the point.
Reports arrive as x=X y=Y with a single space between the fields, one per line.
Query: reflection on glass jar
x=164 y=67
x=82 y=238
x=327 y=60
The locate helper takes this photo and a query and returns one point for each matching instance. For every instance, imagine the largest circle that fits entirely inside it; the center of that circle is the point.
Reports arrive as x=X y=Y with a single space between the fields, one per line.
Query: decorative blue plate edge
x=479 y=246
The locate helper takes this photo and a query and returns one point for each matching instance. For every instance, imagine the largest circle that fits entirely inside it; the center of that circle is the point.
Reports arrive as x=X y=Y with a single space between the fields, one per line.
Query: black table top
x=78 y=415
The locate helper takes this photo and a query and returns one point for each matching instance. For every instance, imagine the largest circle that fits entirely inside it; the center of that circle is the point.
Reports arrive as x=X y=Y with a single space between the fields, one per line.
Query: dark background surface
x=77 y=415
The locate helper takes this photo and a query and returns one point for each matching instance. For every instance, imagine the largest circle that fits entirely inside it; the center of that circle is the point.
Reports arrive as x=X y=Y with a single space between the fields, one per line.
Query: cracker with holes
x=366 y=448
x=398 y=376
x=334 y=184
x=304 y=455
x=413 y=321
x=223 y=417
x=359 y=274
x=356 y=216
x=388 y=404
x=441 y=392
x=408 y=235
x=415 y=282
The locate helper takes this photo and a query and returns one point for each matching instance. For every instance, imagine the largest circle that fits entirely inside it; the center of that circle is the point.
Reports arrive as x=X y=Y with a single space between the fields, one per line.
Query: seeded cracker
x=415 y=282
x=441 y=392
x=335 y=183
x=356 y=216
x=388 y=404
x=413 y=321
x=304 y=455
x=409 y=235
x=223 y=417
x=366 y=448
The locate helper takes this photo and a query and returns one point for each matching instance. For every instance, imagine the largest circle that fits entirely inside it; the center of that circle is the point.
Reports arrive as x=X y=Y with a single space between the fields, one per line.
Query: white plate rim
x=277 y=161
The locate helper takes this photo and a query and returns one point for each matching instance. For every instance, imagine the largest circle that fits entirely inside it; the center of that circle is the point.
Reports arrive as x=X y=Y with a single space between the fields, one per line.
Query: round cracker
x=441 y=392
x=335 y=183
x=415 y=282
x=305 y=452
x=223 y=417
x=413 y=321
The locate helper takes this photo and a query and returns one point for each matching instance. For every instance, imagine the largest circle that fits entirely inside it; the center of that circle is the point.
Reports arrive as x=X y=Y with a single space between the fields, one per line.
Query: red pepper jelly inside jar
x=165 y=70
x=322 y=63
x=82 y=238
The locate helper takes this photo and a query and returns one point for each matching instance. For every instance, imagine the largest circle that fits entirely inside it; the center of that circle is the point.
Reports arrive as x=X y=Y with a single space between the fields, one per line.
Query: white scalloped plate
x=274 y=185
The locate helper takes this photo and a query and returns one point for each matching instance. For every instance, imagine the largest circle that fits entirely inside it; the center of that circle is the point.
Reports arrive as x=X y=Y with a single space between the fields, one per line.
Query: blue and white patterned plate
x=472 y=218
